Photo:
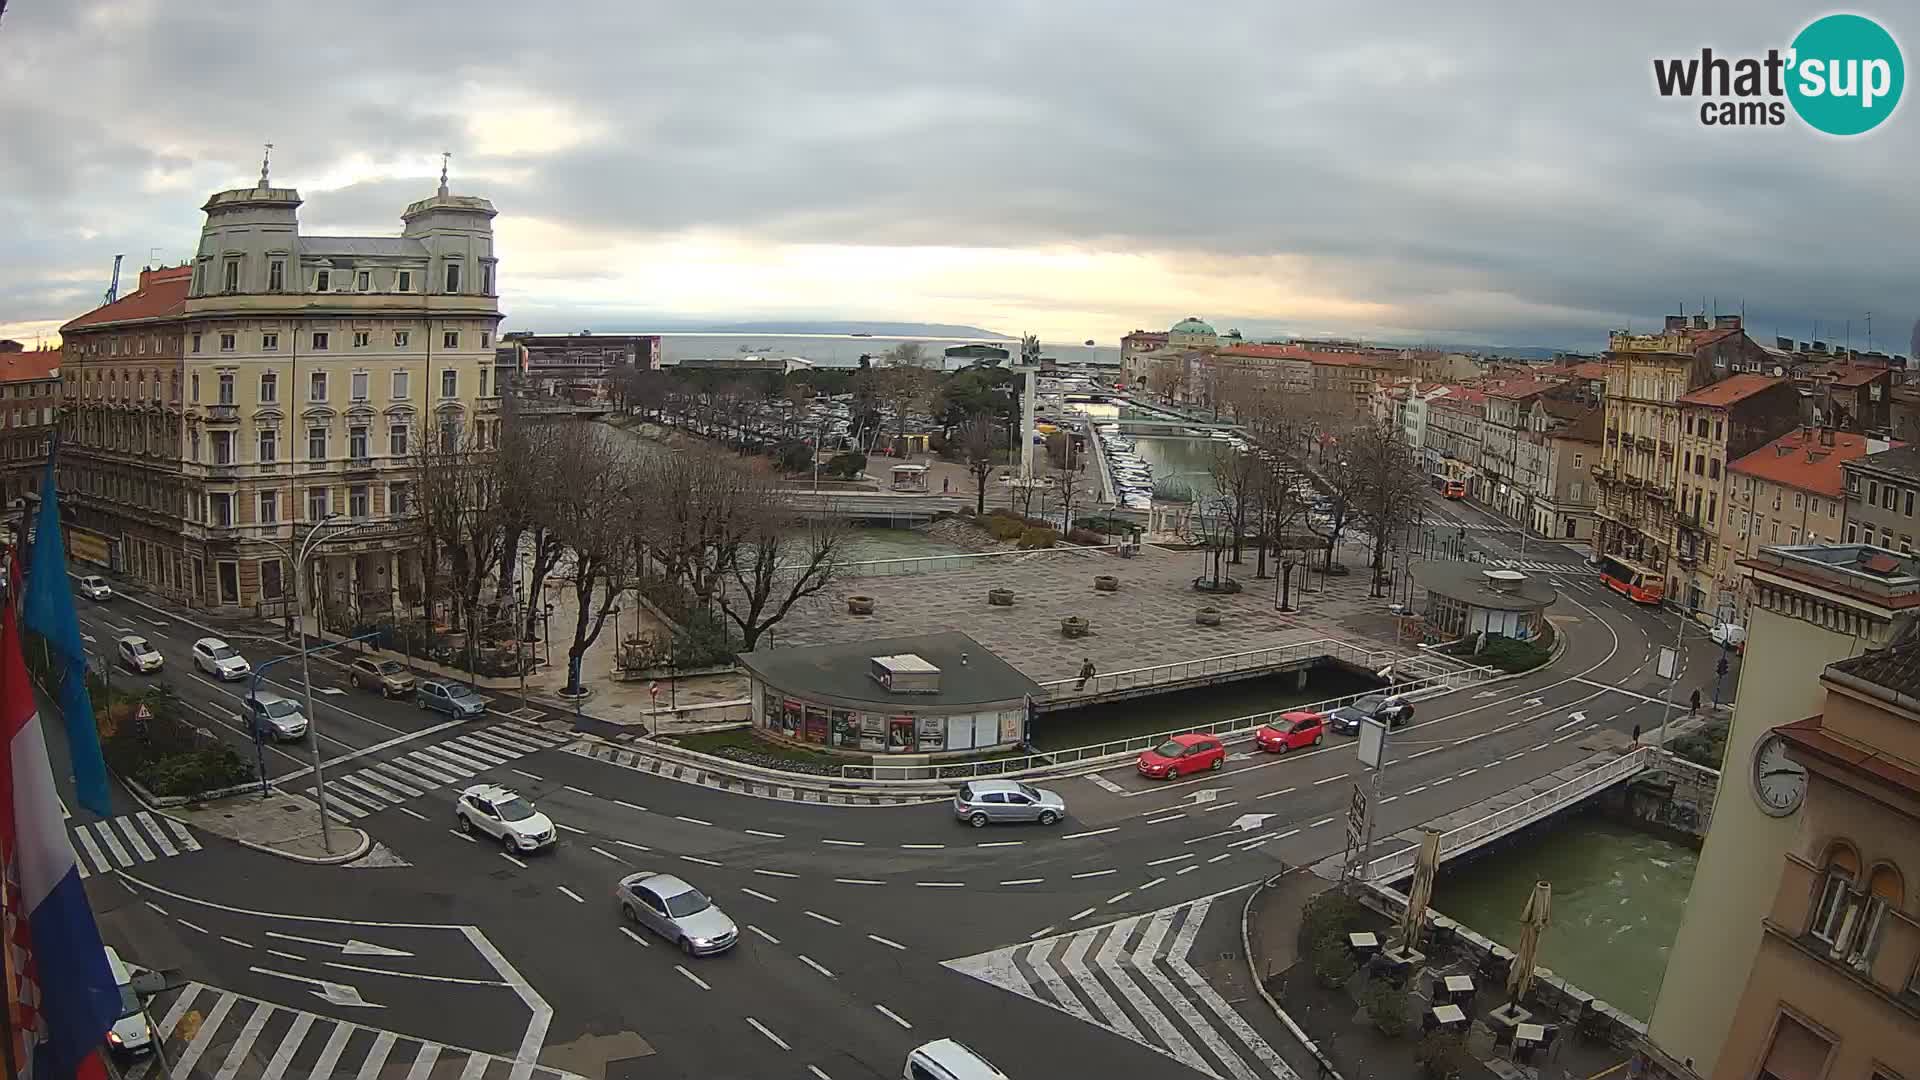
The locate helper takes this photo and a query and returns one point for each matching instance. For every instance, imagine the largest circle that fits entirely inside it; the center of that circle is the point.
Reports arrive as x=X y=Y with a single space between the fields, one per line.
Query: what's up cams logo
x=1842 y=75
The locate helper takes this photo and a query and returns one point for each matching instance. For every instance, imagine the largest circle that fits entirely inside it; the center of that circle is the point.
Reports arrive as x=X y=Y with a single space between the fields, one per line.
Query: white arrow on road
x=333 y=992
x=1486 y=694
x=350 y=947
x=1250 y=822
x=1534 y=701
x=1576 y=717
x=1204 y=795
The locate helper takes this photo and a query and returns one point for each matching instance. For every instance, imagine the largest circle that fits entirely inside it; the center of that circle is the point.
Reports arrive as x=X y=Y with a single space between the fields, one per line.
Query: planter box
x=1207 y=616
x=1075 y=626
x=1106 y=583
x=1000 y=597
x=859 y=605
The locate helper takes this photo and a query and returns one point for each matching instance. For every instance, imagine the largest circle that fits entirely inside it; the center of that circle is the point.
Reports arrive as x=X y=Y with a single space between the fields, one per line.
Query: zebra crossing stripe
x=387 y=769
x=1063 y=997
x=330 y=1054
x=463 y=757
x=1113 y=964
x=289 y=1046
x=537 y=733
x=339 y=801
x=140 y=847
x=1150 y=945
x=1234 y=1021
x=1075 y=959
x=177 y=1010
x=377 y=1057
x=180 y=833
x=237 y=1054
x=113 y=844
x=478 y=750
x=434 y=776
x=506 y=741
x=203 y=1038
x=513 y=736
x=159 y=834
x=386 y=786
x=423 y=1061
x=100 y=863
x=475 y=1067
x=441 y=759
x=367 y=791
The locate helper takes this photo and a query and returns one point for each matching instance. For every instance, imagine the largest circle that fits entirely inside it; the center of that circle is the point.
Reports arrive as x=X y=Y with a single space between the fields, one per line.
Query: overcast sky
x=1475 y=173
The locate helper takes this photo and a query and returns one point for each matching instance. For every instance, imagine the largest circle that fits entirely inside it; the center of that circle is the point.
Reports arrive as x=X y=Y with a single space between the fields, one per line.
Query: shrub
x=1102 y=524
x=793 y=456
x=1330 y=913
x=1507 y=654
x=1441 y=1056
x=196 y=772
x=1386 y=1006
x=1004 y=528
x=1038 y=538
x=1085 y=537
x=847 y=465
x=1332 y=961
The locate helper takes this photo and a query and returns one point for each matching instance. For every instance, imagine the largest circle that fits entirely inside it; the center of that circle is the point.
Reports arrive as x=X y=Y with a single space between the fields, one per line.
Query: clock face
x=1779 y=782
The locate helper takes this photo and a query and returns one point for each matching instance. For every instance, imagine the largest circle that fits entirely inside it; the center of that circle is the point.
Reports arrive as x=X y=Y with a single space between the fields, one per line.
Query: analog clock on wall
x=1779 y=782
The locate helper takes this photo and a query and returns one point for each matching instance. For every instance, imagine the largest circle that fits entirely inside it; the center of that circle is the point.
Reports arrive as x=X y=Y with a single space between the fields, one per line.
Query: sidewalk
x=280 y=823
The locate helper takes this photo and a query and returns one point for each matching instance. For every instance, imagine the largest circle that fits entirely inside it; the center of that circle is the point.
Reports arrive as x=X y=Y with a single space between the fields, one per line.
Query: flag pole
x=8 y=923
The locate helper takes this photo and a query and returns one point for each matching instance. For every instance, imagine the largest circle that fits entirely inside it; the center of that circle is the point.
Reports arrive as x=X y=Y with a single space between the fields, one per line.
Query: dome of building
x=1191 y=325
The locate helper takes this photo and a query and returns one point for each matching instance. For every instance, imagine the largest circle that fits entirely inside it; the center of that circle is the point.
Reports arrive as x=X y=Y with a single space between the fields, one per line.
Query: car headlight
x=114 y=1038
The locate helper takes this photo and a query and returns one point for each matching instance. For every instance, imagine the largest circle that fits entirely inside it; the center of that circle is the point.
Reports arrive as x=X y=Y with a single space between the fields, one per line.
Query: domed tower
x=250 y=242
x=457 y=231
x=1192 y=333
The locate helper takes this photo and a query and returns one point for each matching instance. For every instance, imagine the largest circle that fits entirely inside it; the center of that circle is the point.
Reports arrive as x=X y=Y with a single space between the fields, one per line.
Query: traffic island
x=279 y=823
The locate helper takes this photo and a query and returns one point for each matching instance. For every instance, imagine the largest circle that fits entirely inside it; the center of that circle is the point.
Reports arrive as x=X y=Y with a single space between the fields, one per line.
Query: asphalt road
x=1095 y=946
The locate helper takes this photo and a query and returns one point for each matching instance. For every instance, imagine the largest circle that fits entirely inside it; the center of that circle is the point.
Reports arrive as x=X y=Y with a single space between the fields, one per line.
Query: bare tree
x=1382 y=482
x=1236 y=476
x=976 y=440
x=538 y=468
x=459 y=511
x=781 y=559
x=593 y=508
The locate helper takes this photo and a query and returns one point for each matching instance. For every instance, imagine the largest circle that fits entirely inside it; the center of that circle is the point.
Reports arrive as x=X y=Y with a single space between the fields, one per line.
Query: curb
x=1246 y=949
x=365 y=845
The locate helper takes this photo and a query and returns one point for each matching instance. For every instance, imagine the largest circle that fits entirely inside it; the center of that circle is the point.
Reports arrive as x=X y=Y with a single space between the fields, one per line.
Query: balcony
x=223 y=414
x=1641 y=442
x=1666 y=449
x=223 y=471
x=359 y=466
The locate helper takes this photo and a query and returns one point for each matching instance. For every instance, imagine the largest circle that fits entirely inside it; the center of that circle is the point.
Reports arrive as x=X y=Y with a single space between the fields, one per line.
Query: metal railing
x=1058 y=690
x=1501 y=822
x=1117 y=748
x=928 y=564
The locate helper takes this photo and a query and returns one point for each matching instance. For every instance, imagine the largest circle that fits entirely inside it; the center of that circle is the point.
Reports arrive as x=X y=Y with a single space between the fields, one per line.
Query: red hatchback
x=1291 y=732
x=1181 y=755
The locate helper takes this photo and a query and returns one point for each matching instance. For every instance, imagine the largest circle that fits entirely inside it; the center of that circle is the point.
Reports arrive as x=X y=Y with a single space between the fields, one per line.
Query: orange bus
x=1455 y=489
x=1636 y=583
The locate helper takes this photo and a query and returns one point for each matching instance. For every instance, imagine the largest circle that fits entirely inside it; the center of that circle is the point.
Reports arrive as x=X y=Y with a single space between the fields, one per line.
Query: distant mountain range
x=831 y=326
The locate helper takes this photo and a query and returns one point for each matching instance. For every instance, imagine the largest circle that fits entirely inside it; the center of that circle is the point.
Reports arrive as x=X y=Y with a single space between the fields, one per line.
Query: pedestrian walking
x=1636 y=736
x=944 y=481
x=1086 y=672
x=1693 y=708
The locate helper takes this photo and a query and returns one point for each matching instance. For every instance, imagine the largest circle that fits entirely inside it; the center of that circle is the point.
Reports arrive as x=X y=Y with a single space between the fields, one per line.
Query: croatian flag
x=47 y=607
x=60 y=996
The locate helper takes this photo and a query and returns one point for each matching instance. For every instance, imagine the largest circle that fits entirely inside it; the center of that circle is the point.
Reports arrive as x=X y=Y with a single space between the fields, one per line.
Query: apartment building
x=228 y=407
x=1719 y=422
x=1454 y=425
x=1560 y=457
x=1881 y=491
x=1508 y=479
x=29 y=409
x=1647 y=375
x=1790 y=491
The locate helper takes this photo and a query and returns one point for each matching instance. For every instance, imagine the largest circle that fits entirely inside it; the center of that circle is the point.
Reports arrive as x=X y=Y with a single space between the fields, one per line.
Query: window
x=319 y=341
x=1686 y=460
x=397 y=498
x=450 y=339
x=453 y=277
x=317 y=386
x=397 y=440
x=483 y=374
x=400 y=387
x=400 y=339
x=317 y=444
x=269 y=445
x=226 y=387
x=1719 y=430
x=276 y=275
x=360 y=386
x=1793 y=534
x=196 y=343
x=358 y=502
x=1797 y=1053
x=233 y=275
x=485 y=339
x=1853 y=478
x=1830 y=912
x=1776 y=500
x=317 y=503
x=449 y=383
x=269 y=387
x=222 y=447
x=1853 y=532
x=272 y=582
x=1578 y=461
x=195 y=387
x=323 y=281
x=357 y=443
x=362 y=338
x=1796 y=500
x=269 y=342
x=1873 y=491
x=406 y=281
x=1909 y=503
x=486 y=279
x=1713 y=469
x=363 y=281
x=1713 y=506
x=221 y=504
x=449 y=435
x=226 y=342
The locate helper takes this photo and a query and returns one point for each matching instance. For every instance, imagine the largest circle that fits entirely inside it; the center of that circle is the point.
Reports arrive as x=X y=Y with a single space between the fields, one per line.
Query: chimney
x=1700 y=322
x=1676 y=322
x=1726 y=322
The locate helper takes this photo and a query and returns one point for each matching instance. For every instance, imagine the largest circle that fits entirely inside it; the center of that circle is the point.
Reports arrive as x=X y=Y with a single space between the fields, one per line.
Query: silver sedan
x=676 y=911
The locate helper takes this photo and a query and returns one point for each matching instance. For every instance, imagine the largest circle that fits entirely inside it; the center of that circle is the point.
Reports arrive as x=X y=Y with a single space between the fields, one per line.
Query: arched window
x=1842 y=872
x=1884 y=890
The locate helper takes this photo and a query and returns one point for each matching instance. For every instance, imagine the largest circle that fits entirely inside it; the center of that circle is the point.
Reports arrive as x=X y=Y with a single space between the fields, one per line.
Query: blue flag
x=47 y=609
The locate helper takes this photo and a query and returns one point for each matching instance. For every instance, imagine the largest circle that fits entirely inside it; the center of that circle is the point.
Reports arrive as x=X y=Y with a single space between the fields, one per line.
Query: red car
x=1291 y=732
x=1181 y=755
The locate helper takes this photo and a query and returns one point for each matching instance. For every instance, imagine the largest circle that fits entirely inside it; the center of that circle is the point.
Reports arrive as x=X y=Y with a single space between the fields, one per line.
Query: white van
x=130 y=1035
x=948 y=1059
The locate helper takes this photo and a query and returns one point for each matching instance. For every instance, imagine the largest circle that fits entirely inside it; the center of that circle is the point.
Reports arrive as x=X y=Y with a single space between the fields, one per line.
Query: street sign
x=1357 y=816
x=1373 y=743
x=1668 y=666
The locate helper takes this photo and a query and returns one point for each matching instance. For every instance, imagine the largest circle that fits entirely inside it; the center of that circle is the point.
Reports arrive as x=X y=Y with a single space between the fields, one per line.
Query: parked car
x=275 y=717
x=390 y=677
x=1291 y=732
x=95 y=587
x=1729 y=635
x=1390 y=709
x=219 y=659
x=502 y=814
x=676 y=911
x=1180 y=756
x=452 y=698
x=947 y=1059
x=130 y=1036
x=139 y=655
x=980 y=801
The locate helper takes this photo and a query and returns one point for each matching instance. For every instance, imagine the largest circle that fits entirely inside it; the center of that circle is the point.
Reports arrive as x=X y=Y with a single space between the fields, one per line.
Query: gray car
x=981 y=801
x=451 y=698
x=676 y=911
x=271 y=716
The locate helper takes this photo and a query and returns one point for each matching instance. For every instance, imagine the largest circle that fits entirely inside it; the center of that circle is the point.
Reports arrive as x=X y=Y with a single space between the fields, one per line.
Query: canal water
x=1184 y=461
x=879 y=542
x=1167 y=712
x=1617 y=898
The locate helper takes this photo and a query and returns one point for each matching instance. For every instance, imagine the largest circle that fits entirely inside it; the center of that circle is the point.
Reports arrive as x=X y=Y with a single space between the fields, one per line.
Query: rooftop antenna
x=266 y=158
x=445 y=156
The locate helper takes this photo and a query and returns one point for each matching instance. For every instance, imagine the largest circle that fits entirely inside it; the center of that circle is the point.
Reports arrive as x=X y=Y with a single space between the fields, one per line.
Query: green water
x=1187 y=461
x=1188 y=708
x=1617 y=898
x=884 y=543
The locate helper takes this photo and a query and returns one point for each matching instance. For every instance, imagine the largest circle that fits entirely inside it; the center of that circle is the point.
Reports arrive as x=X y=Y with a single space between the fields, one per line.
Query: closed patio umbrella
x=1533 y=922
x=1420 y=893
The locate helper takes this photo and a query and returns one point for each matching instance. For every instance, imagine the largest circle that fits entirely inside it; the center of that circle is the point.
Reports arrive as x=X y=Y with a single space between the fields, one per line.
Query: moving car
x=219 y=659
x=1180 y=756
x=139 y=655
x=130 y=1036
x=980 y=801
x=1389 y=709
x=676 y=911
x=452 y=698
x=1291 y=732
x=95 y=587
x=502 y=814
x=390 y=677
x=948 y=1059
x=1731 y=635
x=274 y=716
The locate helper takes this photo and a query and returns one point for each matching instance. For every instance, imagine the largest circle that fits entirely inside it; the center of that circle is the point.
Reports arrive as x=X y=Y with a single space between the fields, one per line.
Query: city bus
x=1636 y=583
x=1455 y=489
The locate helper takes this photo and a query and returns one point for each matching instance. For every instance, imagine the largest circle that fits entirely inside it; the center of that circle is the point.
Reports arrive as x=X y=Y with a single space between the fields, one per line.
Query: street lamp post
x=315 y=537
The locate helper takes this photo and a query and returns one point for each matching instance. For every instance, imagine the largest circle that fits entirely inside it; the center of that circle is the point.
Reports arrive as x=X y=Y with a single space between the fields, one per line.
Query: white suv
x=502 y=814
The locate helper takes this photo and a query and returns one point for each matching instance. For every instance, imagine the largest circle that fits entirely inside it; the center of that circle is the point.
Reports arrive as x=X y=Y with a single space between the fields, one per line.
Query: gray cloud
x=1487 y=172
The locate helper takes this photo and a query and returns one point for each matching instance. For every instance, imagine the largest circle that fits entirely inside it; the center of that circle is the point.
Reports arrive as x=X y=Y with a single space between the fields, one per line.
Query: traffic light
x=1720 y=668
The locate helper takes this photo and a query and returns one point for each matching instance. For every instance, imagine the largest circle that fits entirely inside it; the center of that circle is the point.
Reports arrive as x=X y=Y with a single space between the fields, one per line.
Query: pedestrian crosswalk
x=100 y=847
x=213 y=1034
x=1538 y=567
x=454 y=761
x=1132 y=978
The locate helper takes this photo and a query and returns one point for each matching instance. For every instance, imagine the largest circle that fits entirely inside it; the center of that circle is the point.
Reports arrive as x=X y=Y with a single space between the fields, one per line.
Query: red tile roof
x=1856 y=376
x=163 y=293
x=1592 y=369
x=1811 y=739
x=29 y=366
x=1800 y=459
x=1519 y=389
x=1700 y=339
x=1730 y=389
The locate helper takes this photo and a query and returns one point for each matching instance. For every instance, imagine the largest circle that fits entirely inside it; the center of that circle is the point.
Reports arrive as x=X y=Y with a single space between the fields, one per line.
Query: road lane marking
x=1090 y=832
x=1567 y=725
x=155 y=907
x=411 y=813
x=1095 y=873
x=235 y=941
x=1024 y=881
x=817 y=1074
x=845 y=843
x=691 y=820
x=941 y=884
x=1081 y=915
x=1151 y=884
x=528 y=775
x=1220 y=856
x=1470 y=772
x=629 y=805
x=1282 y=791
x=1169 y=817
x=1211 y=807
x=634 y=846
x=774 y=873
x=1319 y=823
x=771 y=1037
x=576 y=897
x=768 y=835
x=923 y=847
x=1187 y=870
x=698 y=859
x=815 y=965
x=769 y=938
x=1170 y=858
x=608 y=854
x=1119 y=897
x=887 y=943
x=1542 y=746
x=1042 y=932
x=1443 y=780
x=1415 y=790
x=629 y=931
x=286 y=955
x=1001 y=843
x=828 y=919
x=760 y=895
x=1388 y=799
x=191 y=926
x=1286 y=834
x=1424 y=753
x=893 y=1016
x=578 y=791
x=571 y=829
x=857 y=881
x=691 y=977
x=513 y=860
x=1331 y=779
